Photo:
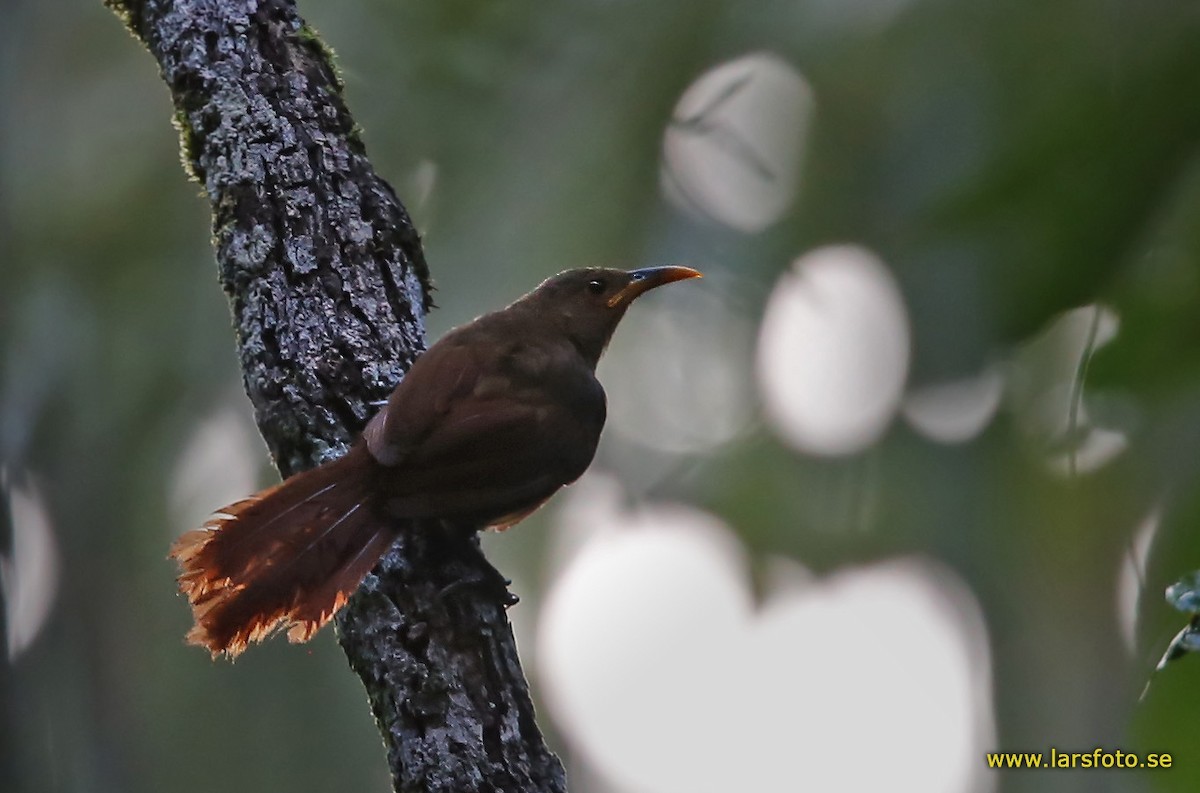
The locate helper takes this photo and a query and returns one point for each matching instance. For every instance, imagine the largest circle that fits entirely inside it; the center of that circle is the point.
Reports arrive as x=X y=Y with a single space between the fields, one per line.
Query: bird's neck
x=588 y=335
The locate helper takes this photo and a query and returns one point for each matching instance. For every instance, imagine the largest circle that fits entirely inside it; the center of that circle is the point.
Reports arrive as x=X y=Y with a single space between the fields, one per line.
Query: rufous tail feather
x=286 y=558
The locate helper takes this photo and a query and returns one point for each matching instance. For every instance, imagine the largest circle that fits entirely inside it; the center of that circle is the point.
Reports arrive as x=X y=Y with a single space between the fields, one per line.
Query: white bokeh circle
x=1050 y=397
x=733 y=149
x=677 y=377
x=218 y=464
x=833 y=351
x=666 y=678
x=958 y=410
x=30 y=571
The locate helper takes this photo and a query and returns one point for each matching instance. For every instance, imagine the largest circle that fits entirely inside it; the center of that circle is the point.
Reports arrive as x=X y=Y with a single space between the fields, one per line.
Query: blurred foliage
x=1008 y=160
x=1184 y=595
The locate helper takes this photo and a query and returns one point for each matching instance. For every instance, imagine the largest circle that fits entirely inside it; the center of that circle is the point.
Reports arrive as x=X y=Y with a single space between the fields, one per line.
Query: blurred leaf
x=1186 y=641
x=1184 y=594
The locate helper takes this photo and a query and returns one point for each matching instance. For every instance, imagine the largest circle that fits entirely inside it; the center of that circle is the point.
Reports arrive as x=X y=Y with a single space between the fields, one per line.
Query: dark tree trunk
x=328 y=287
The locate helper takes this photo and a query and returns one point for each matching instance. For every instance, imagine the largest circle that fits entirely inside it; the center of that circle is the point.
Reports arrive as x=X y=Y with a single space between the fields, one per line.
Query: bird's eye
x=596 y=286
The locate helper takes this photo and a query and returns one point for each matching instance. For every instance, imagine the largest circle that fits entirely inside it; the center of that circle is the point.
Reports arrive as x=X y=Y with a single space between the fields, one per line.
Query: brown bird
x=488 y=423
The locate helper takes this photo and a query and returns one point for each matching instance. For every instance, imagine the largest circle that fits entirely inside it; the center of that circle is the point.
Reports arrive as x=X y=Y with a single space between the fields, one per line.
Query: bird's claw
x=492 y=584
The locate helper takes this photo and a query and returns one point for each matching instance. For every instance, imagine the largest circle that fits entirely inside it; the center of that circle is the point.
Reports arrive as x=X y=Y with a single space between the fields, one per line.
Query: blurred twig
x=1075 y=404
x=328 y=287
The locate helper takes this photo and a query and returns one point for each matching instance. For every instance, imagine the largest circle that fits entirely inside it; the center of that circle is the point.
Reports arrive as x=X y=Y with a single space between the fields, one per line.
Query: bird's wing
x=442 y=375
x=464 y=439
x=489 y=457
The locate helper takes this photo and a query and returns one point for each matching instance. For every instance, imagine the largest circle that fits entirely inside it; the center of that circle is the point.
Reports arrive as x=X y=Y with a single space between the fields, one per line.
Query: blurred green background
x=1007 y=161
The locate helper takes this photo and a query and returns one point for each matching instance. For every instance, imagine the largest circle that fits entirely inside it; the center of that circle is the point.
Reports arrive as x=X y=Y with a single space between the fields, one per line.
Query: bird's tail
x=287 y=557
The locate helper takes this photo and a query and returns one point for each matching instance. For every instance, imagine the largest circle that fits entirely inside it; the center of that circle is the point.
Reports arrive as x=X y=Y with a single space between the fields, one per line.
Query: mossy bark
x=328 y=288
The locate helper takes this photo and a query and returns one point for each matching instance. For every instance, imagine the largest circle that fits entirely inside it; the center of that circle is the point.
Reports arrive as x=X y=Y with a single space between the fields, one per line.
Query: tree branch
x=328 y=287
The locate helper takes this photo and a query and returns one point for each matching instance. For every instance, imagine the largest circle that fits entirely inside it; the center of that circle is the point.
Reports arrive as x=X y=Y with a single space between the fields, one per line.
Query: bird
x=487 y=425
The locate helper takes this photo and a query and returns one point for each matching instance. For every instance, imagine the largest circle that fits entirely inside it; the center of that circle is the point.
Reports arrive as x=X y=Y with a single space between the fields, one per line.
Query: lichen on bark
x=328 y=287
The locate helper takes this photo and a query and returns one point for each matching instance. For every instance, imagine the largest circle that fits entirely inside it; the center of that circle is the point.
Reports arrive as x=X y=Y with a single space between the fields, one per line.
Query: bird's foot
x=478 y=572
x=489 y=580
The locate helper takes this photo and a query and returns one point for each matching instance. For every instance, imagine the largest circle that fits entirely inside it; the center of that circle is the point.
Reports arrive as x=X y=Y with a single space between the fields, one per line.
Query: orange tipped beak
x=648 y=278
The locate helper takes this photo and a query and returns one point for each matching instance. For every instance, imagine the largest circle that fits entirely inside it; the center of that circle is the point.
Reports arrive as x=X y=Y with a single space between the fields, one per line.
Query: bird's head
x=586 y=304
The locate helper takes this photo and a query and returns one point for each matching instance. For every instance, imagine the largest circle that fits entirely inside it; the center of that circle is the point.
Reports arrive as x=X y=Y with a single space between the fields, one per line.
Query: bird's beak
x=646 y=279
